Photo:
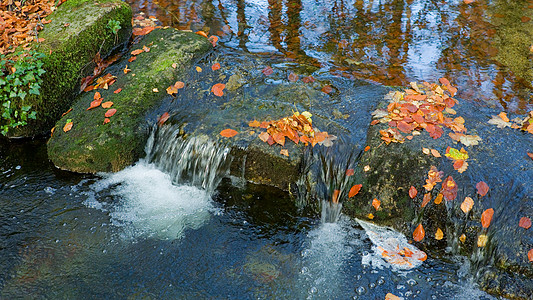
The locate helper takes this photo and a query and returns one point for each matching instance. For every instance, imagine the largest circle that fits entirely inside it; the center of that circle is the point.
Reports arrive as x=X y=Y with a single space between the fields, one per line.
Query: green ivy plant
x=19 y=78
x=114 y=26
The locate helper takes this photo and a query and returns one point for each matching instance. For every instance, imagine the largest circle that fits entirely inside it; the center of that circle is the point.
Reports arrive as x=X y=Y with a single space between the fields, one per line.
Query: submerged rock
x=77 y=32
x=93 y=146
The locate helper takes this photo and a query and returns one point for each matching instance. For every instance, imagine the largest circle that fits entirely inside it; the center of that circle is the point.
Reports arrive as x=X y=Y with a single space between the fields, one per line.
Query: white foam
x=147 y=204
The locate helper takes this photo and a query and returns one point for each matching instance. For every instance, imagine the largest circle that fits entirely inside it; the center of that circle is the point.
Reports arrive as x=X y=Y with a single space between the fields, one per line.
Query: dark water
x=483 y=48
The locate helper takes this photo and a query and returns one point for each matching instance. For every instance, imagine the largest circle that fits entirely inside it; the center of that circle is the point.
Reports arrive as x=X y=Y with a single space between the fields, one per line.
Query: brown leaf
x=350 y=172
x=267 y=71
x=435 y=153
x=376 y=203
x=327 y=89
x=419 y=233
x=530 y=255
x=412 y=192
x=292 y=77
x=525 y=222
x=482 y=188
x=354 y=190
x=439 y=234
x=163 y=118
x=110 y=112
x=449 y=189
x=486 y=217
x=228 y=133
x=264 y=136
x=467 y=205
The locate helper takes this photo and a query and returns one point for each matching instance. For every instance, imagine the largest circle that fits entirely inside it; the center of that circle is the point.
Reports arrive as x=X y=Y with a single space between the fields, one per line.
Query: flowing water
x=142 y=233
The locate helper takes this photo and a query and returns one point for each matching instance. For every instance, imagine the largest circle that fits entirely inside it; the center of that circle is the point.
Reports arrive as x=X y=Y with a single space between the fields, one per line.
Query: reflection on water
x=483 y=47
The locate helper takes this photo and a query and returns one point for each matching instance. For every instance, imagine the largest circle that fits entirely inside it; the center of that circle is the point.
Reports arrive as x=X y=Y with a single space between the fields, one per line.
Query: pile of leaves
x=422 y=107
x=297 y=128
x=502 y=121
x=20 y=22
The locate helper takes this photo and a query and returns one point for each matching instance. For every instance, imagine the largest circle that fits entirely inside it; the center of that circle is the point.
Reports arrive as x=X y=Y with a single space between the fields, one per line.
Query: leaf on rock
x=284 y=152
x=470 y=140
x=503 y=116
x=202 y=33
x=327 y=89
x=137 y=52
x=213 y=40
x=486 y=217
x=482 y=188
x=354 y=190
x=198 y=69
x=435 y=153
x=482 y=240
x=460 y=165
x=438 y=199
x=499 y=122
x=525 y=222
x=264 y=136
x=412 y=192
x=68 y=126
x=254 y=123
x=425 y=200
x=228 y=133
x=467 y=205
x=439 y=234
x=218 y=89
x=142 y=31
x=215 y=66
x=376 y=203
x=419 y=233
x=292 y=77
x=350 y=172
x=110 y=112
x=163 y=118
x=391 y=296
x=449 y=189
x=107 y=104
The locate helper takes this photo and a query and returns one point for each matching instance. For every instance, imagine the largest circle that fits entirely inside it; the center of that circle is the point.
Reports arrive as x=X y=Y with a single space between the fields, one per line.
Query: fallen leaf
x=110 y=112
x=292 y=77
x=65 y=113
x=171 y=90
x=142 y=31
x=155 y=90
x=179 y=85
x=131 y=59
x=376 y=203
x=497 y=120
x=264 y=136
x=137 y=52
x=425 y=200
x=503 y=116
x=426 y=151
x=198 y=69
x=460 y=165
x=106 y=120
x=419 y=233
x=350 y=172
x=174 y=65
x=126 y=70
x=390 y=296
x=530 y=155
x=468 y=1
x=530 y=255
x=354 y=190
x=370 y=216
x=163 y=118
x=97 y=96
x=482 y=240
x=438 y=199
x=486 y=217
x=367 y=148
x=218 y=89
x=449 y=189
x=267 y=71
x=467 y=205
x=435 y=153
x=68 y=126
x=107 y=104
x=228 y=133
x=525 y=222
x=213 y=39
x=327 y=89
x=94 y=104
x=412 y=192
x=462 y=238
x=215 y=66
x=439 y=234
x=482 y=188
x=284 y=152
x=117 y=91
x=254 y=123
x=335 y=198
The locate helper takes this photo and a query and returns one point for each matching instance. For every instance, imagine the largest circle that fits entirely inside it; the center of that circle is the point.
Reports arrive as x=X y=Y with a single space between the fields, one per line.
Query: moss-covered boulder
x=92 y=146
x=77 y=32
x=500 y=160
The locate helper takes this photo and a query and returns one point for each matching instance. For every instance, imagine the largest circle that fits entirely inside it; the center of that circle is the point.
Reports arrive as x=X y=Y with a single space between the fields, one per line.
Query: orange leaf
x=482 y=188
x=137 y=52
x=367 y=148
x=468 y=1
x=97 y=96
x=486 y=217
x=106 y=120
x=503 y=116
x=218 y=89
x=107 y=104
x=202 y=33
x=68 y=126
x=350 y=172
x=228 y=133
x=292 y=77
x=439 y=234
x=412 y=192
x=264 y=136
x=390 y=296
x=335 y=198
x=425 y=201
x=132 y=58
x=449 y=188
x=467 y=205
x=530 y=155
x=110 y=112
x=462 y=238
x=354 y=190
x=530 y=255
x=284 y=152
x=65 y=113
x=267 y=71
x=438 y=199
x=435 y=153
x=171 y=90
x=179 y=85
x=142 y=31
x=213 y=39
x=370 y=216
x=163 y=118
x=419 y=233
x=94 y=104
x=327 y=89
x=117 y=91
x=215 y=67
x=376 y=203
x=254 y=123
x=525 y=222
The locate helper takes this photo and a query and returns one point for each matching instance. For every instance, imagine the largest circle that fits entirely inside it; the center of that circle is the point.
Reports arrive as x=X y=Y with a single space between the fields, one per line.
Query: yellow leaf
x=482 y=240
x=155 y=90
x=462 y=238
x=198 y=69
x=439 y=234
x=284 y=152
x=370 y=216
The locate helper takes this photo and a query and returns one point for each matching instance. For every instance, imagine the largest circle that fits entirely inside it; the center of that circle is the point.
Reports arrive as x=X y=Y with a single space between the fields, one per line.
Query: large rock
x=92 y=146
x=77 y=32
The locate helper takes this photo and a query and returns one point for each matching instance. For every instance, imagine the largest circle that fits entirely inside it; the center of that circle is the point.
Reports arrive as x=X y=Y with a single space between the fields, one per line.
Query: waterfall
x=196 y=161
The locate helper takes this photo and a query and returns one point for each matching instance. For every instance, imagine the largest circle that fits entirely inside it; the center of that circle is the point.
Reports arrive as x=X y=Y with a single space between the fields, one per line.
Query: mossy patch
x=91 y=146
x=77 y=32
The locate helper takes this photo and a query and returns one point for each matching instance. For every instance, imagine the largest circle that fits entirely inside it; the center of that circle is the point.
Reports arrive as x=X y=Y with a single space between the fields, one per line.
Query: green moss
x=91 y=146
x=69 y=51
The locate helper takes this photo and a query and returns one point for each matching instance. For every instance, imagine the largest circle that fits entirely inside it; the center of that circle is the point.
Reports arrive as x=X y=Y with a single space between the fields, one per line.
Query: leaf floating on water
x=439 y=234
x=218 y=89
x=530 y=255
x=426 y=151
x=412 y=192
x=525 y=222
x=530 y=155
x=467 y=205
x=228 y=133
x=163 y=118
x=425 y=200
x=376 y=203
x=390 y=296
x=462 y=238
x=354 y=190
x=486 y=217
x=215 y=66
x=419 y=233
x=267 y=71
x=482 y=188
x=482 y=240
x=110 y=112
x=499 y=122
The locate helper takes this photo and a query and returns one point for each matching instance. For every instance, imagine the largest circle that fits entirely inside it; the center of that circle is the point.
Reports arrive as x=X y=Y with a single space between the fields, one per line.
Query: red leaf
x=419 y=233
x=228 y=133
x=350 y=172
x=486 y=217
x=482 y=188
x=530 y=155
x=215 y=67
x=267 y=71
x=525 y=222
x=218 y=89
x=110 y=113
x=404 y=127
x=292 y=77
x=213 y=39
x=412 y=192
x=449 y=189
x=354 y=190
